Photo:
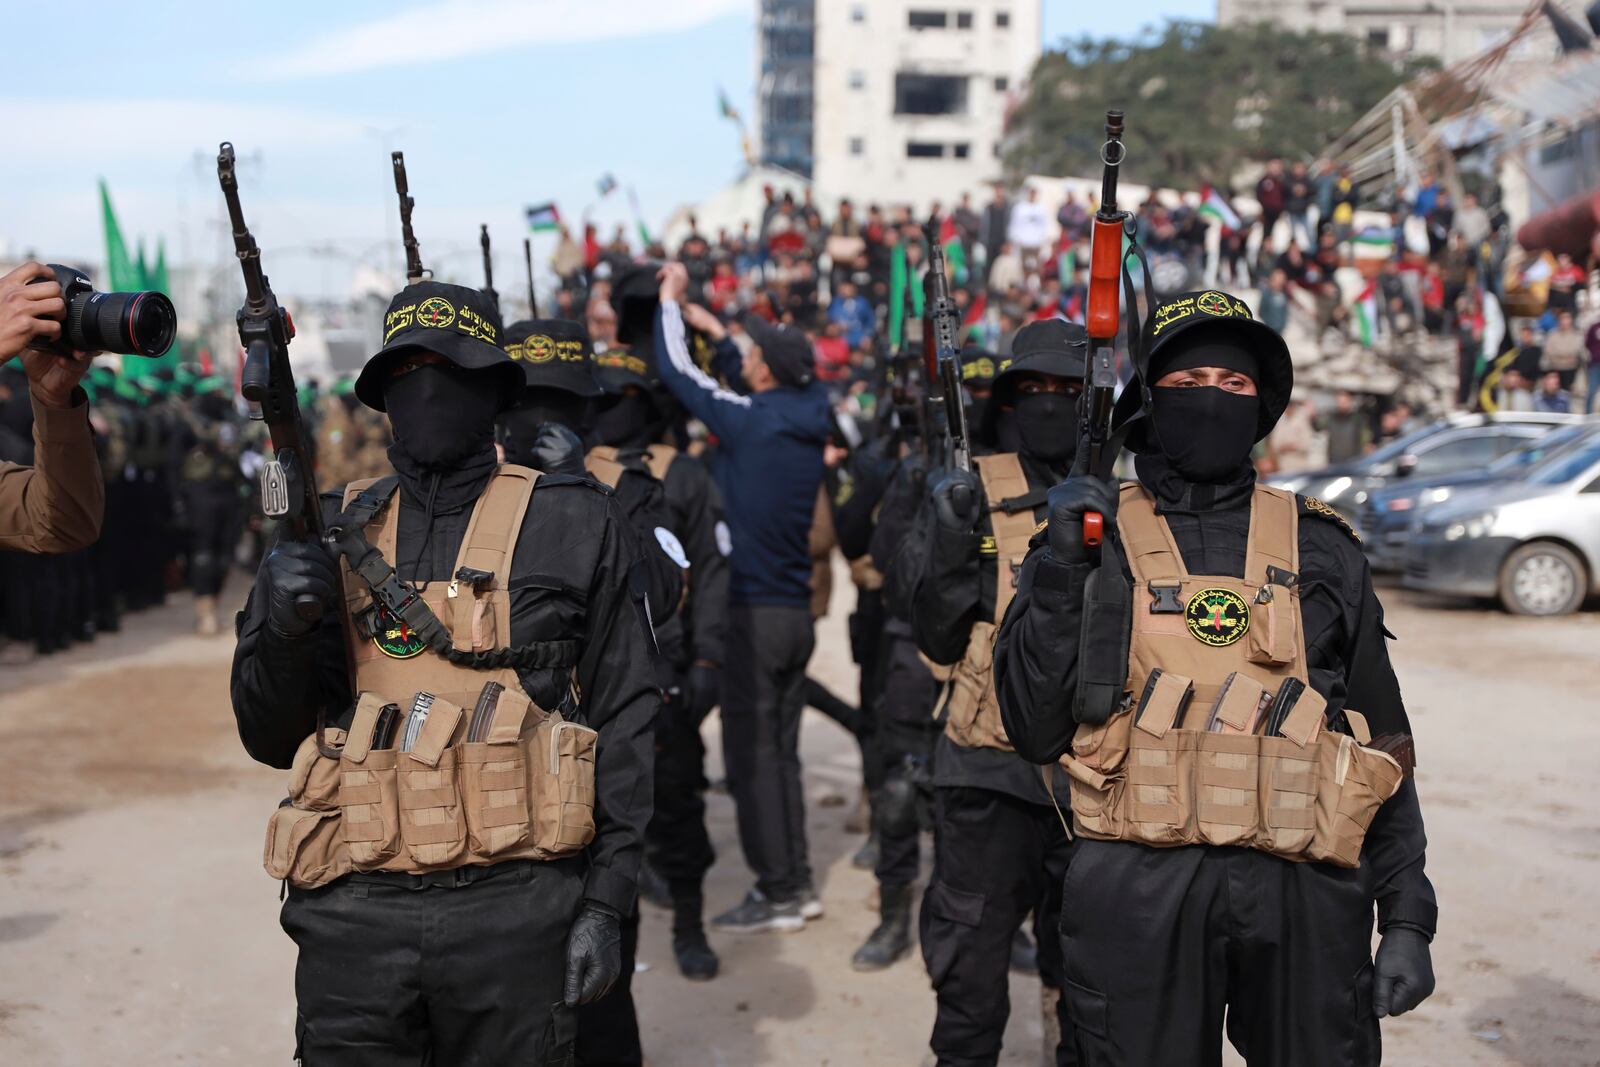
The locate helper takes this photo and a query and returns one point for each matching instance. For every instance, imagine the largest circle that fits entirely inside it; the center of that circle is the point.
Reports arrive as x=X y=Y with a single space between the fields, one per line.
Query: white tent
x=733 y=205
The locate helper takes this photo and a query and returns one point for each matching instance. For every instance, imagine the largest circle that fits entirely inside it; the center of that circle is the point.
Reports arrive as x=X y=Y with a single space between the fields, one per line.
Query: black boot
x=653 y=887
x=866 y=856
x=892 y=939
x=696 y=961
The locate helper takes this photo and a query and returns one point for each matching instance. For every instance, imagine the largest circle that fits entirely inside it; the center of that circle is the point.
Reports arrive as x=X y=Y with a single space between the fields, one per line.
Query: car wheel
x=1542 y=578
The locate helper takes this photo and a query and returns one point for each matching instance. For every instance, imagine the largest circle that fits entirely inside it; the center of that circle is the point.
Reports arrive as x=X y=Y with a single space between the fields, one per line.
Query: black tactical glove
x=1068 y=501
x=704 y=688
x=1402 y=973
x=294 y=570
x=957 y=500
x=557 y=450
x=594 y=954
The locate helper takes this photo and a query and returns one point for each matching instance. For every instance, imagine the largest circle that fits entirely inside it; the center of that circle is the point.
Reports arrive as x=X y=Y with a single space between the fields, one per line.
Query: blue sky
x=497 y=103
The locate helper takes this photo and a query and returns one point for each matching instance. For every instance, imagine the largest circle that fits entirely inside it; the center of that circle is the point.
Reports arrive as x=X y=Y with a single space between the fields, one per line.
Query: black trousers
x=214 y=530
x=996 y=858
x=676 y=842
x=1160 y=942
x=608 y=1029
x=866 y=648
x=763 y=695
x=906 y=736
x=466 y=976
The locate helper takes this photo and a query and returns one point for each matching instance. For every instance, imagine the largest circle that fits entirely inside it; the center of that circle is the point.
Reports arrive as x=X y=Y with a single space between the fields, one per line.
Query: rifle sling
x=400 y=598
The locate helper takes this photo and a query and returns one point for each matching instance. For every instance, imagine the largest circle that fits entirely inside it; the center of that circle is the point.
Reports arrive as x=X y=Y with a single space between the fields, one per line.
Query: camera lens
x=135 y=324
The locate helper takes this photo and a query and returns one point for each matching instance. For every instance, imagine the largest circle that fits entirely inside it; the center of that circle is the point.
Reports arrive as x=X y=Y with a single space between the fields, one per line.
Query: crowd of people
x=493 y=724
x=178 y=455
x=1430 y=268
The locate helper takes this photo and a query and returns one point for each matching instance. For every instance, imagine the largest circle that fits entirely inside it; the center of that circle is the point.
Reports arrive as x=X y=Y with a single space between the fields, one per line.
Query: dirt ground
x=137 y=927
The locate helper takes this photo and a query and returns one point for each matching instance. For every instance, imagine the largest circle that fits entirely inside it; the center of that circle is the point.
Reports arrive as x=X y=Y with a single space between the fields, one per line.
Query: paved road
x=137 y=928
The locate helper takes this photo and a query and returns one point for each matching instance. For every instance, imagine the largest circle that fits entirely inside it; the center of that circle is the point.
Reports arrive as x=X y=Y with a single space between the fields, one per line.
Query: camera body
x=134 y=324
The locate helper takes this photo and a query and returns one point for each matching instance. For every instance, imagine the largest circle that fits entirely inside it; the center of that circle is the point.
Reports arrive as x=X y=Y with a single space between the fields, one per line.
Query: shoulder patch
x=1310 y=505
x=550 y=480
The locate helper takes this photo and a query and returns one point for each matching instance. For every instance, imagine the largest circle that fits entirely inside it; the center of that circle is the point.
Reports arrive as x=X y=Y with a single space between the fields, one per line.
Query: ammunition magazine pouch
x=1306 y=802
x=525 y=792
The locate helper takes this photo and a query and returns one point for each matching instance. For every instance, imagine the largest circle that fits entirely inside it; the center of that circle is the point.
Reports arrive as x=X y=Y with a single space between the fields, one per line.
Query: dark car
x=1453 y=444
x=1534 y=544
x=1388 y=516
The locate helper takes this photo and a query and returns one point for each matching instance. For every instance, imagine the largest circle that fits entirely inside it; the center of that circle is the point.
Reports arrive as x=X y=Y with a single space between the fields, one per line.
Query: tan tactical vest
x=974 y=713
x=602 y=462
x=523 y=788
x=1186 y=760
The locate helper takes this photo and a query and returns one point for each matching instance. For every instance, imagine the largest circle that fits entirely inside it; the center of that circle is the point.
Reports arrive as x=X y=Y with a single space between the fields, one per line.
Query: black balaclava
x=627 y=421
x=1205 y=432
x=1007 y=435
x=1046 y=426
x=542 y=404
x=441 y=414
x=976 y=409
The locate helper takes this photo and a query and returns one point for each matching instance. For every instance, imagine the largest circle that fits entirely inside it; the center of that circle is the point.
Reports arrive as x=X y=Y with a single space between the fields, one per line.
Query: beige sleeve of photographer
x=56 y=505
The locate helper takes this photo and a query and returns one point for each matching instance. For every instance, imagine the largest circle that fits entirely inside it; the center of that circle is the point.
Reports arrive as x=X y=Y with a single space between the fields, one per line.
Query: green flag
x=160 y=281
x=122 y=274
x=900 y=280
x=141 y=265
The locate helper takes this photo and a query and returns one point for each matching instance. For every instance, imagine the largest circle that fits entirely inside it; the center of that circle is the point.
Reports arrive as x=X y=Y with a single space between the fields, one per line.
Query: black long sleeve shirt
x=573 y=576
x=1347 y=655
x=954 y=591
x=695 y=505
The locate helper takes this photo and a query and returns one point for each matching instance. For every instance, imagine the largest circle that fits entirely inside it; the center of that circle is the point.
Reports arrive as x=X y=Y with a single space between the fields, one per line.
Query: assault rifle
x=527 y=258
x=288 y=489
x=488 y=266
x=1107 y=602
x=414 y=271
x=942 y=355
x=1102 y=318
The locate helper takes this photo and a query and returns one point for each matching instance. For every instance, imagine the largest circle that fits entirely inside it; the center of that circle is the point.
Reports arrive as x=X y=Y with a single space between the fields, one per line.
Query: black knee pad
x=896 y=807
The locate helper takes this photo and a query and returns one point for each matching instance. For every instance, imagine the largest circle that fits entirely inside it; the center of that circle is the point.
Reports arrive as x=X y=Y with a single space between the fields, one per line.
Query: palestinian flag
x=1365 y=313
x=1374 y=241
x=975 y=311
x=1214 y=206
x=954 y=252
x=726 y=106
x=543 y=218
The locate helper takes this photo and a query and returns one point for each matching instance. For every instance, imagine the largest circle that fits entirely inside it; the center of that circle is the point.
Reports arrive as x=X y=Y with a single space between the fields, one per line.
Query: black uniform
x=676 y=841
x=1000 y=849
x=906 y=689
x=1286 y=945
x=466 y=965
x=477 y=963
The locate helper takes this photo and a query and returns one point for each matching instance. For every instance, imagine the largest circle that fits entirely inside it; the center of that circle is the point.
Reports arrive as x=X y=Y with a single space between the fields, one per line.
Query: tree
x=1201 y=100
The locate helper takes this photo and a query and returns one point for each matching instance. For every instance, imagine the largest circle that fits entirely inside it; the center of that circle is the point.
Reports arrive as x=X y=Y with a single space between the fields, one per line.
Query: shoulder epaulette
x=551 y=480
x=1310 y=505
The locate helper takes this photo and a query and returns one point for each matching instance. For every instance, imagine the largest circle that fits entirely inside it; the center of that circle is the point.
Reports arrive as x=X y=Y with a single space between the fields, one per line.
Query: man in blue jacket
x=769 y=466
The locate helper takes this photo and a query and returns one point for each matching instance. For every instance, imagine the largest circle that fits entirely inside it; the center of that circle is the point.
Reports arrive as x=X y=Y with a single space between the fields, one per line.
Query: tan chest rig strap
x=603 y=465
x=659 y=459
x=485 y=775
x=974 y=713
x=1221 y=742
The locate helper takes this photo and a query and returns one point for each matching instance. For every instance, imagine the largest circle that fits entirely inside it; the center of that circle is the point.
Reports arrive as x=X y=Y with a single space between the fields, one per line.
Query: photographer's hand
x=31 y=306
